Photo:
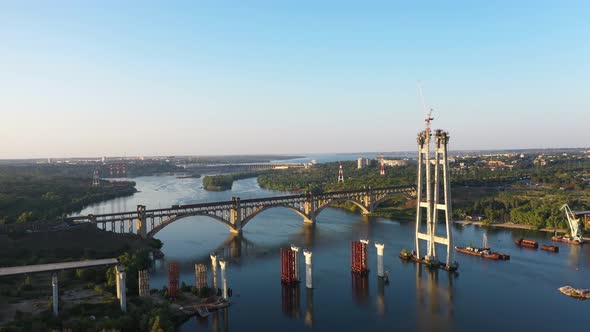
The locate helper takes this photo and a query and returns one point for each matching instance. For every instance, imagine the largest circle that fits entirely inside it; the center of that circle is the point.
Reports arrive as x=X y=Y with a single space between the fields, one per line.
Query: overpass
x=237 y=213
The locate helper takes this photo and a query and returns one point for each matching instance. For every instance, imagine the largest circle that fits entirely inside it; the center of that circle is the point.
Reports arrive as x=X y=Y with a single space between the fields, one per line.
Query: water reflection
x=291 y=301
x=381 y=296
x=360 y=288
x=309 y=308
x=220 y=320
x=434 y=298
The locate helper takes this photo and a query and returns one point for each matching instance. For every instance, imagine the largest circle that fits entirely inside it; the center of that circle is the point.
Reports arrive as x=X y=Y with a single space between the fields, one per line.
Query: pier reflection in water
x=434 y=298
x=360 y=288
x=291 y=302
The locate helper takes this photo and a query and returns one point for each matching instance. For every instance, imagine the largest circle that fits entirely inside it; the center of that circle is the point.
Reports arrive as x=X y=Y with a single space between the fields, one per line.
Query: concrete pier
x=54 y=284
x=308 y=271
x=223 y=264
x=121 y=290
x=296 y=250
x=214 y=272
x=380 y=247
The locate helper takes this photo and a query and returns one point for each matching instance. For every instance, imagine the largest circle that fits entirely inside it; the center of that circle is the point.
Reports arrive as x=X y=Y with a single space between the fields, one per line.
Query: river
x=520 y=294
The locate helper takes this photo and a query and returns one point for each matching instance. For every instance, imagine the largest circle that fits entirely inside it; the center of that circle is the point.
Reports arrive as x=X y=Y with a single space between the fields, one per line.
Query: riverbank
x=512 y=226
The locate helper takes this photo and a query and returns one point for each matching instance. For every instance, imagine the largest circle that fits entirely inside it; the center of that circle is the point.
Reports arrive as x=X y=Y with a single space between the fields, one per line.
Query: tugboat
x=484 y=252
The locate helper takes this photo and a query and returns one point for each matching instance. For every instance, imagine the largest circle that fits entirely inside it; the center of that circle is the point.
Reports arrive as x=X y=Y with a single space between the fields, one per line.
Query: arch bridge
x=237 y=213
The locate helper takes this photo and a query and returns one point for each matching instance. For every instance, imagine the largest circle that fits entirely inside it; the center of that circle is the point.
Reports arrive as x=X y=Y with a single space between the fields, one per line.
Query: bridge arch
x=360 y=205
x=390 y=196
x=250 y=216
x=169 y=221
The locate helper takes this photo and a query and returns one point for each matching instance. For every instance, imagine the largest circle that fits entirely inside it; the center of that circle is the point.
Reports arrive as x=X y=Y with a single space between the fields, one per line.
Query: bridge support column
x=310 y=207
x=380 y=247
x=236 y=216
x=214 y=271
x=222 y=264
x=308 y=275
x=369 y=201
x=296 y=250
x=141 y=221
x=54 y=285
x=121 y=288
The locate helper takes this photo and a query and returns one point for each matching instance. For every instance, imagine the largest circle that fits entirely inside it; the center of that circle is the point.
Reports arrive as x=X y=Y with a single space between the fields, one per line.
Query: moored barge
x=551 y=248
x=527 y=243
x=567 y=239
x=433 y=264
x=482 y=252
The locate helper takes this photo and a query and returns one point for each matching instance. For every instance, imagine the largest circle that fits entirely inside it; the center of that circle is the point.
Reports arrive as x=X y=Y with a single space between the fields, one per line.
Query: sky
x=133 y=78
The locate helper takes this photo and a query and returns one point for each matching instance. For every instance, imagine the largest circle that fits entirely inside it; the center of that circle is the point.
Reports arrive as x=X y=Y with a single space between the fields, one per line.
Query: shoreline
x=511 y=226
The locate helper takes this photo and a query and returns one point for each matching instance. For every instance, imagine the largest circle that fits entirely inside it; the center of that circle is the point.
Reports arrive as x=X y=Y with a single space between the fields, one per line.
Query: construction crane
x=428 y=112
x=574 y=223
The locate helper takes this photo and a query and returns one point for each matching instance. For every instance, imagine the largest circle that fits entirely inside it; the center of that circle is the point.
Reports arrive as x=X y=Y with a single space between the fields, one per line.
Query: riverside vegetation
x=525 y=194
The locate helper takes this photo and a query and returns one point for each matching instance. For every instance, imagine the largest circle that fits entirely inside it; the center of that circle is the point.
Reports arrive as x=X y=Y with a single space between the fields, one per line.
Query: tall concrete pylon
x=296 y=250
x=428 y=207
x=55 y=297
x=214 y=272
x=223 y=264
x=380 y=247
x=308 y=271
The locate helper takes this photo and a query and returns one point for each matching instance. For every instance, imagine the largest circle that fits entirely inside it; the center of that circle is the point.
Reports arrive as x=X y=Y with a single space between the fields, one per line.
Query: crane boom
x=573 y=222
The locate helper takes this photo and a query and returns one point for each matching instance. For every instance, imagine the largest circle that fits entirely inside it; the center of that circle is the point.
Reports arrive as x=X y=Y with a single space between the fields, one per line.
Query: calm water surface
x=520 y=294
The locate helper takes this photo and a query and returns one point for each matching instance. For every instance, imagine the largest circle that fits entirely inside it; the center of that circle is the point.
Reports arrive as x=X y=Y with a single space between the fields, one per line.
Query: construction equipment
x=574 y=223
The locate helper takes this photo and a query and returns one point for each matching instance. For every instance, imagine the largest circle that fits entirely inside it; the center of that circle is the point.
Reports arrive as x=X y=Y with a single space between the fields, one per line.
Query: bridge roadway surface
x=28 y=269
x=236 y=213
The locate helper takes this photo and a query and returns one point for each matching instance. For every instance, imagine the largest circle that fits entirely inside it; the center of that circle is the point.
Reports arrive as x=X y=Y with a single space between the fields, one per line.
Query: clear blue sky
x=93 y=78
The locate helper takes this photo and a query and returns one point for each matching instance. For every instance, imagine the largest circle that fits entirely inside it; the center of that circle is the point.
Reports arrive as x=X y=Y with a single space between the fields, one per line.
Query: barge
x=483 y=252
x=582 y=294
x=551 y=248
x=527 y=243
x=433 y=264
x=567 y=239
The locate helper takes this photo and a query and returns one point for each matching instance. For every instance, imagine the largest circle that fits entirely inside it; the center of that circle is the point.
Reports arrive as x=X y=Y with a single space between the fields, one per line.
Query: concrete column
x=54 y=284
x=214 y=272
x=222 y=264
x=121 y=290
x=236 y=216
x=141 y=221
x=296 y=250
x=118 y=287
x=380 y=247
x=308 y=275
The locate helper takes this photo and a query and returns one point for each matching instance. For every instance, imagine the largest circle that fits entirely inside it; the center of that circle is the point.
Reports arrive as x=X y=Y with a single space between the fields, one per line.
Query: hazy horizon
x=208 y=78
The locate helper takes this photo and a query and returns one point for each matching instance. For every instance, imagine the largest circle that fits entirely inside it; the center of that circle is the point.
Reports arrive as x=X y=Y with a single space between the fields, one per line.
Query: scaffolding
x=173 y=274
x=288 y=266
x=200 y=276
x=358 y=256
x=144 y=283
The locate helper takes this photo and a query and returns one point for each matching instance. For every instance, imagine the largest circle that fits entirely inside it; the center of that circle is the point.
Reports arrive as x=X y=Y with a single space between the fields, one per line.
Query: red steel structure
x=288 y=275
x=358 y=257
x=173 y=274
x=382 y=172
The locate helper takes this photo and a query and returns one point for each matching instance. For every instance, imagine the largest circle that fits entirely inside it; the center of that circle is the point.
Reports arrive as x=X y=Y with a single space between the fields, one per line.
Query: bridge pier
x=54 y=285
x=308 y=275
x=236 y=216
x=141 y=221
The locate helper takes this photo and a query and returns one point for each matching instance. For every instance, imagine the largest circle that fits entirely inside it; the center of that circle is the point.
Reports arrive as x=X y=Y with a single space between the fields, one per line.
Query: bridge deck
x=27 y=269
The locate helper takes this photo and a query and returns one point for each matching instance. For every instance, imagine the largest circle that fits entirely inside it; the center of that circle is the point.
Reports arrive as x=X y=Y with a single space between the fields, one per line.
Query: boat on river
x=527 y=243
x=433 y=264
x=484 y=251
x=567 y=239
x=582 y=294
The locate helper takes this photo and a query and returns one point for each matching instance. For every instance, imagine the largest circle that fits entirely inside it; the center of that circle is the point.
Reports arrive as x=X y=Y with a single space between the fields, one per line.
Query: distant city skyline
x=106 y=78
